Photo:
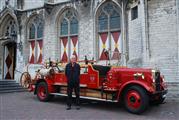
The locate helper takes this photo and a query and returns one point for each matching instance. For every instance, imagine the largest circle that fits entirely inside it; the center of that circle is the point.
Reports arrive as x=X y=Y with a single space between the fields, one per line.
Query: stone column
x=145 y=32
x=124 y=44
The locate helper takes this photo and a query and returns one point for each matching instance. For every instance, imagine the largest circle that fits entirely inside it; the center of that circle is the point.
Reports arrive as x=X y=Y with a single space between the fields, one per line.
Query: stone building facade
x=137 y=33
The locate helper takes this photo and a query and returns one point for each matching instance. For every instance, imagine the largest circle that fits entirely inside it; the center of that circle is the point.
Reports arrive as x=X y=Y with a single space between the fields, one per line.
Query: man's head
x=73 y=59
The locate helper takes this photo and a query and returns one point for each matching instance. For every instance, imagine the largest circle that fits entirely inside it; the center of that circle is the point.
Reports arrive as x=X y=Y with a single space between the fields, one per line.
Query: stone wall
x=134 y=37
x=30 y=4
x=85 y=35
x=163 y=37
x=12 y=3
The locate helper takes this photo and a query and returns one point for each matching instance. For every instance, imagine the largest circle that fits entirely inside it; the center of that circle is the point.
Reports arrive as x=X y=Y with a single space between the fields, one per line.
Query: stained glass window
x=64 y=27
x=109 y=26
x=10 y=28
x=108 y=8
x=103 y=22
x=68 y=34
x=74 y=26
x=36 y=39
x=40 y=30
x=115 y=20
x=32 y=32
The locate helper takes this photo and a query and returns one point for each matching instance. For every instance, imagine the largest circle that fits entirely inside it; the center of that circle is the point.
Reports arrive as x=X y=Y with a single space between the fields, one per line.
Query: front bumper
x=163 y=92
x=159 y=94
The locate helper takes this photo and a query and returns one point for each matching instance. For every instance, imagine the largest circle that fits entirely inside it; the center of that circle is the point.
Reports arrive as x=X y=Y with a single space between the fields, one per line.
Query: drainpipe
x=124 y=62
x=147 y=29
x=177 y=7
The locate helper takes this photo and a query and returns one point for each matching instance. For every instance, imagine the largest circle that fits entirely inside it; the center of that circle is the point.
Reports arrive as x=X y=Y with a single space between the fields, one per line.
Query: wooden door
x=9 y=60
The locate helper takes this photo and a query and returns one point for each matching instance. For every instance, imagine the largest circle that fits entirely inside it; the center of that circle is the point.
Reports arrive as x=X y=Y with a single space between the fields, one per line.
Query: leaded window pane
x=64 y=27
x=74 y=26
x=40 y=31
x=12 y=29
x=115 y=20
x=103 y=22
x=69 y=14
x=32 y=32
x=108 y=8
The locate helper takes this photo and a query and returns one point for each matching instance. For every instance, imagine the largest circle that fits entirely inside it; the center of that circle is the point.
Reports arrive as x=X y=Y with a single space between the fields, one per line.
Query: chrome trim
x=84 y=97
x=136 y=75
x=153 y=75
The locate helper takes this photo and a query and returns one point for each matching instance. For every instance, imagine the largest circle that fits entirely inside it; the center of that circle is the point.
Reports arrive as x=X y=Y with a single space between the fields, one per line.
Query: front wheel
x=136 y=99
x=43 y=93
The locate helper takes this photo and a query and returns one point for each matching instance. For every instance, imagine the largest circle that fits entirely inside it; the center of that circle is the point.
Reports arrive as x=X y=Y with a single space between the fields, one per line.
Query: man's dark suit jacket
x=72 y=74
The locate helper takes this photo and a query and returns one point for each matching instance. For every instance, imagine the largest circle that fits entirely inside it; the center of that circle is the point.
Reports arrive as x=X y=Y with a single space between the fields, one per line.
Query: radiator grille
x=157 y=81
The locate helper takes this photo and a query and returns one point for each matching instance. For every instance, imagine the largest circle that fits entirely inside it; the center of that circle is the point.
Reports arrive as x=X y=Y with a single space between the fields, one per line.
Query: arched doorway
x=9 y=60
x=8 y=38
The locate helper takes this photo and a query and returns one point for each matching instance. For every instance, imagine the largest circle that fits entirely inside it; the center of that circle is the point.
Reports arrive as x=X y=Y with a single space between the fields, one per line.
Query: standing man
x=72 y=72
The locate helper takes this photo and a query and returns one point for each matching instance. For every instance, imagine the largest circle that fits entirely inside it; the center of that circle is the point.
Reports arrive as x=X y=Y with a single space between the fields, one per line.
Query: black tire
x=136 y=99
x=43 y=93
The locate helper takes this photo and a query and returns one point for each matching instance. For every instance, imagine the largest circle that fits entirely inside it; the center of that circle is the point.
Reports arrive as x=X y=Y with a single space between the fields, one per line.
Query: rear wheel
x=43 y=93
x=25 y=80
x=136 y=99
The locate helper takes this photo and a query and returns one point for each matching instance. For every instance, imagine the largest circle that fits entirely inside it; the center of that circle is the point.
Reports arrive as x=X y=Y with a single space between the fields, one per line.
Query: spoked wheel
x=25 y=80
x=136 y=99
x=43 y=93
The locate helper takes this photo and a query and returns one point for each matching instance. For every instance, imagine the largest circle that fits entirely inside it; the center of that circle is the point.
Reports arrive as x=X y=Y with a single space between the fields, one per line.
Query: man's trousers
x=70 y=88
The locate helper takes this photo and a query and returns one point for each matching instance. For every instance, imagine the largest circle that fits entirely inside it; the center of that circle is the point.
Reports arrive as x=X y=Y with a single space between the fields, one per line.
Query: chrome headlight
x=153 y=75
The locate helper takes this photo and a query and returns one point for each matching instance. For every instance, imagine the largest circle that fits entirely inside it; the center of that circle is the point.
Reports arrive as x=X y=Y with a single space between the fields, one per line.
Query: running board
x=83 y=97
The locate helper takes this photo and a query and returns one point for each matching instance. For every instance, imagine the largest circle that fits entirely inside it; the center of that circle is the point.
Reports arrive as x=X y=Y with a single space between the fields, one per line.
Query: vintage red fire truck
x=133 y=87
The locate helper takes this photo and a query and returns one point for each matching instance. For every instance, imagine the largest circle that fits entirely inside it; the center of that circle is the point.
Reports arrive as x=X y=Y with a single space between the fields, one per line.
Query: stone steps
x=8 y=86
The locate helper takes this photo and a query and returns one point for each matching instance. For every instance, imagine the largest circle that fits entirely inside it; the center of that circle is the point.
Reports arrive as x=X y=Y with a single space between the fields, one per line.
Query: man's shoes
x=78 y=107
x=68 y=108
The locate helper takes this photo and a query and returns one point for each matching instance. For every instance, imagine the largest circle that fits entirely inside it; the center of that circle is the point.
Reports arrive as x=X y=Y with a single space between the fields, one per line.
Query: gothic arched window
x=40 y=30
x=64 y=27
x=32 y=32
x=35 y=31
x=68 y=35
x=109 y=31
x=11 y=28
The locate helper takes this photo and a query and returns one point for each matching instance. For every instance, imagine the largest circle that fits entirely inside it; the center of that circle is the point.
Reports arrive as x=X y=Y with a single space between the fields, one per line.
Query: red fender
x=143 y=84
x=50 y=83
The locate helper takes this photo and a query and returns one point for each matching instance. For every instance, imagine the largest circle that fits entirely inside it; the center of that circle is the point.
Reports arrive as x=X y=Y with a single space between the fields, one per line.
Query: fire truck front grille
x=157 y=81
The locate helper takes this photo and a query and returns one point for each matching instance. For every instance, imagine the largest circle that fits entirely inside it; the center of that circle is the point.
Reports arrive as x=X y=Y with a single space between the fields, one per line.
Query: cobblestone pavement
x=25 y=106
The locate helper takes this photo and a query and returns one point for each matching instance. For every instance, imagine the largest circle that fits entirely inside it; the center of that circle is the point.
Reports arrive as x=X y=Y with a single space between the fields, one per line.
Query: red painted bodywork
x=117 y=79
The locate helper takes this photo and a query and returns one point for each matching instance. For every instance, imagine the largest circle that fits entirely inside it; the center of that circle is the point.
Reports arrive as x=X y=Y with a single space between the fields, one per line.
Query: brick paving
x=25 y=106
